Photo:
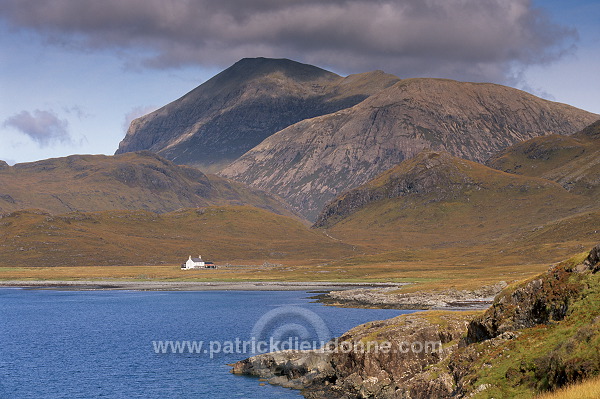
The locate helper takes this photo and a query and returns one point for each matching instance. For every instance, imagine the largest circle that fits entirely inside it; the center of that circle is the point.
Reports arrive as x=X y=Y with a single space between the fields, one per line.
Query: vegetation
x=589 y=389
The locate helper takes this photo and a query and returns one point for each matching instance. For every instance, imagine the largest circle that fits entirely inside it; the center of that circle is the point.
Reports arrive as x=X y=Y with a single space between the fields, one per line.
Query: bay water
x=115 y=344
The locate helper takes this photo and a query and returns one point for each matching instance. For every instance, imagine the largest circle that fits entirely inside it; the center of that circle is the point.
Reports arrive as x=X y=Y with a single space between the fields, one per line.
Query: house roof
x=197 y=260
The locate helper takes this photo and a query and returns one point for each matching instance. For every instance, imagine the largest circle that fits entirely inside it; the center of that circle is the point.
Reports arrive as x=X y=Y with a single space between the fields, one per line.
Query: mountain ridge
x=312 y=161
x=235 y=110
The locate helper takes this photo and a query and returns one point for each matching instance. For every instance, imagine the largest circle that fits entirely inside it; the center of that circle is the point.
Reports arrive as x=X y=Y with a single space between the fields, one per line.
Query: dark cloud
x=464 y=39
x=43 y=127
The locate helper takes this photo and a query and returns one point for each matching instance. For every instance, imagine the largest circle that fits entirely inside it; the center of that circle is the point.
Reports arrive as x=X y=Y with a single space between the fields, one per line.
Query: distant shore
x=189 y=285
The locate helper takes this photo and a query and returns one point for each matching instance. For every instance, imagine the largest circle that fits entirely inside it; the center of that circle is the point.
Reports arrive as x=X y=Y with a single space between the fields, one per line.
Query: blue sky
x=73 y=73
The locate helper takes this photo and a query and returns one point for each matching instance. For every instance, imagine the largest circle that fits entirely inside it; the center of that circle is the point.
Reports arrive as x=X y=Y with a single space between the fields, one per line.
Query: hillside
x=229 y=233
x=134 y=181
x=312 y=161
x=572 y=161
x=234 y=111
x=437 y=200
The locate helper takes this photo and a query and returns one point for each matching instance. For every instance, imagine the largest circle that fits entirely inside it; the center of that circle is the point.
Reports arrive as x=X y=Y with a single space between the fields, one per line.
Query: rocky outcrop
x=428 y=172
x=592 y=262
x=289 y=368
x=382 y=359
x=394 y=298
x=234 y=111
x=542 y=300
x=316 y=159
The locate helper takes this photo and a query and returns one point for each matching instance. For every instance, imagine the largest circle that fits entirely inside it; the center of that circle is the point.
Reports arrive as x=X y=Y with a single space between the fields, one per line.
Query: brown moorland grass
x=221 y=234
x=135 y=245
x=586 y=390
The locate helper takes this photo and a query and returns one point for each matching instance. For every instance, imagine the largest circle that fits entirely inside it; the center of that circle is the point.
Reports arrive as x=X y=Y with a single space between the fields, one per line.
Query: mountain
x=234 y=111
x=134 y=181
x=572 y=161
x=219 y=233
x=435 y=199
x=312 y=161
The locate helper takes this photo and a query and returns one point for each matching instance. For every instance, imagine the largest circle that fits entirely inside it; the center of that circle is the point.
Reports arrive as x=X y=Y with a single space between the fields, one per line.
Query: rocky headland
x=537 y=335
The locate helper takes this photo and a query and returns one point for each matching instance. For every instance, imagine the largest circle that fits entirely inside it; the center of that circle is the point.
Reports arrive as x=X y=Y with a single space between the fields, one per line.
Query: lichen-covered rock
x=382 y=359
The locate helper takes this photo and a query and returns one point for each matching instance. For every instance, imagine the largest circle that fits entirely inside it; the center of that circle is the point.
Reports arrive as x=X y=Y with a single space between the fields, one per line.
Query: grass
x=589 y=389
x=222 y=234
x=82 y=246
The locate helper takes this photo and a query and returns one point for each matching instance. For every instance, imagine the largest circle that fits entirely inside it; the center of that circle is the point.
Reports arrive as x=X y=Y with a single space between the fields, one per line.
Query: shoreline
x=90 y=285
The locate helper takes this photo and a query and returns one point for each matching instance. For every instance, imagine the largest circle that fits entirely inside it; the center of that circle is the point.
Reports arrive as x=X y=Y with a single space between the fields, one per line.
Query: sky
x=74 y=73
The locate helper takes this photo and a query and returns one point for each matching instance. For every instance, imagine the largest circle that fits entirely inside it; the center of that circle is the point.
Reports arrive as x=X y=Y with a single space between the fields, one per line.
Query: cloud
x=136 y=113
x=465 y=39
x=43 y=127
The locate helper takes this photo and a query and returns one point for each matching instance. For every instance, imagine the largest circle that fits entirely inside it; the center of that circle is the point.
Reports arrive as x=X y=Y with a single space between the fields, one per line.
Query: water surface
x=99 y=344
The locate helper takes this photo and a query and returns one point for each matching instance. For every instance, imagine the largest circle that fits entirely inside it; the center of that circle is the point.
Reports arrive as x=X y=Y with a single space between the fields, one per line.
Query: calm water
x=99 y=344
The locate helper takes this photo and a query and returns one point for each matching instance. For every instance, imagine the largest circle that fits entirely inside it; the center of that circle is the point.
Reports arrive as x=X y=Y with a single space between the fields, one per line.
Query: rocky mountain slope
x=436 y=199
x=312 y=161
x=572 y=161
x=134 y=181
x=234 y=111
x=538 y=335
x=33 y=238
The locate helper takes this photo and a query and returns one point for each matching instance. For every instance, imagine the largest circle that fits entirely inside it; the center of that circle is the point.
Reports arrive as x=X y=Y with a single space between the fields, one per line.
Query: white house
x=194 y=263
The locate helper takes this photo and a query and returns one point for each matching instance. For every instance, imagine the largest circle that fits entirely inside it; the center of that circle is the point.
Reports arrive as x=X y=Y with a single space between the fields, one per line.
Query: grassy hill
x=572 y=161
x=228 y=233
x=133 y=181
x=435 y=199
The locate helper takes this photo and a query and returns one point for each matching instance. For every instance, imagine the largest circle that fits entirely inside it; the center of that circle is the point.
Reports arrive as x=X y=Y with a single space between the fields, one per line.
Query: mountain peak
x=232 y=112
x=254 y=67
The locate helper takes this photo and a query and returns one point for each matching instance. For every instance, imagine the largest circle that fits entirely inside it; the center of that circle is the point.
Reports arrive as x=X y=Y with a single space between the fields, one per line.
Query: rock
x=293 y=369
x=358 y=365
x=540 y=301
x=593 y=259
x=452 y=370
